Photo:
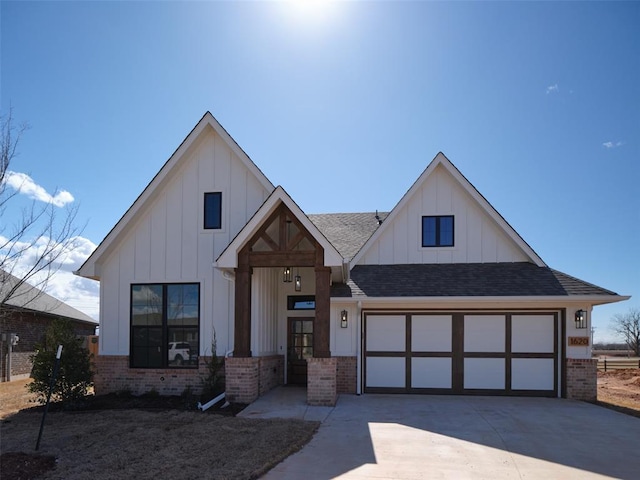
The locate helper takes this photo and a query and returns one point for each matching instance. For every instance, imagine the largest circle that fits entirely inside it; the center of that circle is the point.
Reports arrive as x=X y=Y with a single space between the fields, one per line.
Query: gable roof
x=88 y=269
x=228 y=259
x=441 y=160
x=28 y=297
x=518 y=279
x=348 y=232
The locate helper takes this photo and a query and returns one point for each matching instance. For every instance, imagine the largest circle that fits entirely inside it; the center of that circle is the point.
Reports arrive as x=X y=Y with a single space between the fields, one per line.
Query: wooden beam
x=296 y=240
x=242 y=319
x=265 y=236
x=322 y=322
x=282 y=259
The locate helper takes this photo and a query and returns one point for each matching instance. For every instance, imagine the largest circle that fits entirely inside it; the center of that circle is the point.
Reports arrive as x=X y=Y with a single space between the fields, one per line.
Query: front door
x=299 y=348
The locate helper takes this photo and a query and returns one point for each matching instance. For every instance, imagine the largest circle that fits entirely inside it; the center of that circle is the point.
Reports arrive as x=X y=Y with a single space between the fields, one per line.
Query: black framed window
x=165 y=325
x=213 y=210
x=301 y=302
x=437 y=231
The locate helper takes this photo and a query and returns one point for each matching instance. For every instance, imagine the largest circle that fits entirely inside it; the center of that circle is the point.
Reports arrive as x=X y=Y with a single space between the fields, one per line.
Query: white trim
x=551 y=300
x=482 y=202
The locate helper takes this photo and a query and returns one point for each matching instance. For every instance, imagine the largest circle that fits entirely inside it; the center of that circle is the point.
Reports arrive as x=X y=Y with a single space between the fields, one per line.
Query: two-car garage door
x=493 y=353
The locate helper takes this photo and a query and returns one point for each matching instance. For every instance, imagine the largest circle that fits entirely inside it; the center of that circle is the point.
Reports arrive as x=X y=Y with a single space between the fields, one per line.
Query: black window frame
x=164 y=329
x=438 y=233
x=293 y=302
x=215 y=225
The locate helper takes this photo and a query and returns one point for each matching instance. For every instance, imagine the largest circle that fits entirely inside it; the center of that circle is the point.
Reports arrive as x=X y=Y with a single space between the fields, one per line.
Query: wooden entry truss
x=281 y=241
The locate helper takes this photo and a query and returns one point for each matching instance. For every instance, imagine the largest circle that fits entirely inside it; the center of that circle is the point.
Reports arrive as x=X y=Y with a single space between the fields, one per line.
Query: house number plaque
x=578 y=341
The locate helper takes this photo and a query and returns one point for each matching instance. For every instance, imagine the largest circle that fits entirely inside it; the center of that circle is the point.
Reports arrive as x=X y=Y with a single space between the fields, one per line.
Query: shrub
x=74 y=373
x=213 y=382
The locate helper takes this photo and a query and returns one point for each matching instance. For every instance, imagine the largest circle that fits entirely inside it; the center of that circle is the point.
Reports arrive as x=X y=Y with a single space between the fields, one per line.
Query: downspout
x=228 y=276
x=212 y=402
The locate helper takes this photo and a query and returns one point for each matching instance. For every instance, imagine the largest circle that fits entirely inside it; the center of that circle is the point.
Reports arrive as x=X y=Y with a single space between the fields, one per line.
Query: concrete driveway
x=451 y=437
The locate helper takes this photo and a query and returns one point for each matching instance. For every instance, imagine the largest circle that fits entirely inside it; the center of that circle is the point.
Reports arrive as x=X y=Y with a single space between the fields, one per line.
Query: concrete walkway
x=452 y=437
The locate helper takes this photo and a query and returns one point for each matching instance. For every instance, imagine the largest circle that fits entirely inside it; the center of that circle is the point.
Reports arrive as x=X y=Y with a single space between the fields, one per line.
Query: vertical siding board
x=190 y=227
x=173 y=252
x=142 y=258
x=158 y=239
x=400 y=238
x=474 y=234
x=109 y=312
x=238 y=197
x=125 y=276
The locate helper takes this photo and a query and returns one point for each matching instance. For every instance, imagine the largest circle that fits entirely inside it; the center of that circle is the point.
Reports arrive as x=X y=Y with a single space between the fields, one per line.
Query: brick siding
x=347 y=375
x=271 y=373
x=243 y=379
x=112 y=374
x=30 y=328
x=322 y=381
x=582 y=379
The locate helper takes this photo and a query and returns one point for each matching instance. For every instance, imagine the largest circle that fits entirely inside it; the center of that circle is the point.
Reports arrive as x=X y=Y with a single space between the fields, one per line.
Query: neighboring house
x=440 y=295
x=27 y=314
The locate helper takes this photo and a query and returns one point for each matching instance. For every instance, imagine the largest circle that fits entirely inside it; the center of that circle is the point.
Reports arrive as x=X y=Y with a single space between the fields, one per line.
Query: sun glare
x=312 y=9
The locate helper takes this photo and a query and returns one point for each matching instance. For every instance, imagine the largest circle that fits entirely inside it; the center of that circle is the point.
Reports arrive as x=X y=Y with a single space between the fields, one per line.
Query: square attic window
x=437 y=231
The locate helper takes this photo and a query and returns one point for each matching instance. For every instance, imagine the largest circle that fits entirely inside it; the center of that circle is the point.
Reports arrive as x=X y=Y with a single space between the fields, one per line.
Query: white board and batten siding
x=168 y=244
x=512 y=353
x=477 y=237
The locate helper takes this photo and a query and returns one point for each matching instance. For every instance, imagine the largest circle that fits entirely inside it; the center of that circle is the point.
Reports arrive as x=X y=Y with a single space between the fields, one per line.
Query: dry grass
x=14 y=396
x=148 y=445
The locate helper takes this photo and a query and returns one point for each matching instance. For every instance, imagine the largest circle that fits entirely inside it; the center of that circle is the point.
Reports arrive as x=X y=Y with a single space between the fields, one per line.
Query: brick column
x=242 y=379
x=582 y=379
x=322 y=376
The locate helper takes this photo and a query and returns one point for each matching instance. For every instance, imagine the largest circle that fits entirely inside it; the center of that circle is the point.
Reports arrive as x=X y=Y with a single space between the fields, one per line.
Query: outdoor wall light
x=344 y=316
x=581 y=319
x=286 y=275
x=298 y=283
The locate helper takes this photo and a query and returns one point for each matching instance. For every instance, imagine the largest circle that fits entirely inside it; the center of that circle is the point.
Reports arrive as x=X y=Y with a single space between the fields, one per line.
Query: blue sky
x=538 y=104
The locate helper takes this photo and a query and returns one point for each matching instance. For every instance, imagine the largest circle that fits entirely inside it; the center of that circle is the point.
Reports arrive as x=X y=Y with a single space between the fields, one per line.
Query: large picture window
x=437 y=231
x=165 y=325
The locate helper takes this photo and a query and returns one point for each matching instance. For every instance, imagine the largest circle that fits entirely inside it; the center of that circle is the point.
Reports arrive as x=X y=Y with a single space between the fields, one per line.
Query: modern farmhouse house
x=440 y=295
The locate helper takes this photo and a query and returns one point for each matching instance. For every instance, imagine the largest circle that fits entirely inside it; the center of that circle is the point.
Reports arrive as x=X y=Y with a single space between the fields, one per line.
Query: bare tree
x=627 y=325
x=33 y=239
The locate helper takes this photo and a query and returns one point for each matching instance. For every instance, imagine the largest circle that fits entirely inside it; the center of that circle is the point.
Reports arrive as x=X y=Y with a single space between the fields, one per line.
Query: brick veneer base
x=248 y=378
x=322 y=376
x=245 y=378
x=112 y=374
x=347 y=375
x=582 y=379
x=271 y=373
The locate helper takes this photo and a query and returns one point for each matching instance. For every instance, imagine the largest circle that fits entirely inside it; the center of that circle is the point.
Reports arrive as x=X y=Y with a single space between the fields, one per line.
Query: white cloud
x=612 y=144
x=80 y=293
x=553 y=88
x=24 y=184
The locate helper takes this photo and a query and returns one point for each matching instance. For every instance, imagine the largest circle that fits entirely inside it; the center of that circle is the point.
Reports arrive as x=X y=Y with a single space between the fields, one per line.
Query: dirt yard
x=620 y=388
x=148 y=437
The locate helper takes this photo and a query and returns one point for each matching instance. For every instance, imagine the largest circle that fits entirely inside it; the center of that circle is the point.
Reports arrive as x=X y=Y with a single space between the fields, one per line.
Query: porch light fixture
x=298 y=283
x=286 y=275
x=581 y=319
x=344 y=316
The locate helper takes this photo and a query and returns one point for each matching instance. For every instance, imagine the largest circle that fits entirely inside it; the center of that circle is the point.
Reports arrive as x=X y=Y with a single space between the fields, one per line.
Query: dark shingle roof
x=27 y=297
x=348 y=232
x=451 y=280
